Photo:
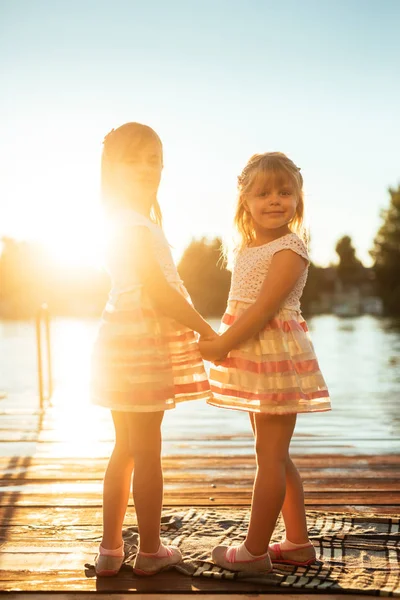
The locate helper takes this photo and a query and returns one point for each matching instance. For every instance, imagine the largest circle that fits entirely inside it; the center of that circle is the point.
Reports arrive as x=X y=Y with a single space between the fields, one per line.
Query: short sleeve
x=124 y=227
x=131 y=218
x=292 y=242
x=123 y=236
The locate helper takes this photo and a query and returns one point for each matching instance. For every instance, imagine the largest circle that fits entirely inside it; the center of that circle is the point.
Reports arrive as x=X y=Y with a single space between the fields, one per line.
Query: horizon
x=93 y=262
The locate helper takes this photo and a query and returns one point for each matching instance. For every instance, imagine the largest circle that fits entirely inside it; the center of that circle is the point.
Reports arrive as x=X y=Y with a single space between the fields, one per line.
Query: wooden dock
x=50 y=509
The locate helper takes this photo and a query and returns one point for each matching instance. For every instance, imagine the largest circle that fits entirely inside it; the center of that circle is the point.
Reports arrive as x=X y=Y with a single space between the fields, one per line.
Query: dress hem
x=267 y=411
x=150 y=408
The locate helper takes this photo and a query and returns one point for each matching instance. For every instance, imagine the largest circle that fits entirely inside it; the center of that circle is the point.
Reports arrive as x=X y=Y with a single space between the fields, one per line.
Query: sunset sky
x=219 y=80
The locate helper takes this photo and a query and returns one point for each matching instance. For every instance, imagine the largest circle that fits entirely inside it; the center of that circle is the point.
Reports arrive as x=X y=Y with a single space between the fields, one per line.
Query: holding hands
x=212 y=348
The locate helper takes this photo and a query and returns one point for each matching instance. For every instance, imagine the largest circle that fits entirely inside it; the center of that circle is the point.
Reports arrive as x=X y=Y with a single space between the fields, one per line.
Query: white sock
x=119 y=552
x=240 y=553
x=162 y=552
x=287 y=545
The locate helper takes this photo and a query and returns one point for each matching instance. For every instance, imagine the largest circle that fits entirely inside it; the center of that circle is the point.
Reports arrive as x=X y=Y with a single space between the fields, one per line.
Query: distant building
x=346 y=298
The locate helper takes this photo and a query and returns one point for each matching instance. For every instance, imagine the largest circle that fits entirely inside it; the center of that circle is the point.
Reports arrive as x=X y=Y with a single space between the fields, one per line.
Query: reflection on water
x=359 y=357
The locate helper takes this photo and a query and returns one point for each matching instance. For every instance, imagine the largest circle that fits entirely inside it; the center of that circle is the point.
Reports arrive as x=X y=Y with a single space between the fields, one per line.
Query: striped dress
x=142 y=360
x=276 y=371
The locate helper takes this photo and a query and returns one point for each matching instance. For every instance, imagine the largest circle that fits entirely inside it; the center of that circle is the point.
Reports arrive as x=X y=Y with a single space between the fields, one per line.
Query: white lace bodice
x=251 y=267
x=122 y=269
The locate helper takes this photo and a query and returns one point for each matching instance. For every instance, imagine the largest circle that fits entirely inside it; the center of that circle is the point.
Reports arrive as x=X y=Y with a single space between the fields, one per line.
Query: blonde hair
x=118 y=145
x=261 y=167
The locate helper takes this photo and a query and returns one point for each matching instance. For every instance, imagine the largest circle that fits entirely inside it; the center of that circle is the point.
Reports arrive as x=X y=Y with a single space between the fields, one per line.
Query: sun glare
x=57 y=201
x=77 y=248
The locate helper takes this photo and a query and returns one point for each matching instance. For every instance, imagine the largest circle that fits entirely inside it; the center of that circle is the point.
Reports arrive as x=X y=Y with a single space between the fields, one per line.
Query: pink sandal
x=299 y=557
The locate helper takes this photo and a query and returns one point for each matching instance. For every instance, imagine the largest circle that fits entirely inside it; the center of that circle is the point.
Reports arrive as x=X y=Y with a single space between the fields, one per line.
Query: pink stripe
x=139 y=342
x=196 y=361
x=135 y=397
x=141 y=397
x=131 y=342
x=189 y=388
x=270 y=396
x=133 y=317
x=275 y=323
x=131 y=368
x=281 y=366
x=181 y=337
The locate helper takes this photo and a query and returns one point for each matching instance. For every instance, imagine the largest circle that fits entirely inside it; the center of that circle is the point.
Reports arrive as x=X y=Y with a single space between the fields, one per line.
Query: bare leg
x=273 y=434
x=117 y=483
x=145 y=447
x=293 y=509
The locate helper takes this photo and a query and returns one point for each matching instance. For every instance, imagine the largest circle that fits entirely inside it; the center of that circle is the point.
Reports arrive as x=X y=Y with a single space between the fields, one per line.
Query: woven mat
x=356 y=554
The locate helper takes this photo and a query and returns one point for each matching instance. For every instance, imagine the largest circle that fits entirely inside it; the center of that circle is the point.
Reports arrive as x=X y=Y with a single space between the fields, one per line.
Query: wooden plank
x=47 y=518
x=197 y=497
x=51 y=515
x=94 y=450
x=192 y=481
x=325 y=461
x=53 y=473
x=205 y=596
x=310 y=467
x=125 y=582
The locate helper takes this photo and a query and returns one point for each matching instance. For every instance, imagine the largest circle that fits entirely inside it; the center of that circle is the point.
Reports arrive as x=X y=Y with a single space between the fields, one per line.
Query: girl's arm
x=285 y=269
x=166 y=298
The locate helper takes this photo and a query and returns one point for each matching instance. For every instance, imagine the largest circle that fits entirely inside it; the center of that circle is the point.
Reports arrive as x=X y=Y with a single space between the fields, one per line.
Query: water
x=359 y=357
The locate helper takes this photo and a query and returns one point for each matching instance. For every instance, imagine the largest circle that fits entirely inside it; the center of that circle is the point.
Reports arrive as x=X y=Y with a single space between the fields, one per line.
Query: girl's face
x=139 y=173
x=272 y=203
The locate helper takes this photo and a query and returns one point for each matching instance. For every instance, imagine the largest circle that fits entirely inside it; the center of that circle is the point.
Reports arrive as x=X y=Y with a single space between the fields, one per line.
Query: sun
x=80 y=245
x=53 y=191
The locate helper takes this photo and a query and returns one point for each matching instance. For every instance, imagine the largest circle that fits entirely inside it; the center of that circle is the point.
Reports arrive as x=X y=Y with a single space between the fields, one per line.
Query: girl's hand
x=209 y=335
x=212 y=350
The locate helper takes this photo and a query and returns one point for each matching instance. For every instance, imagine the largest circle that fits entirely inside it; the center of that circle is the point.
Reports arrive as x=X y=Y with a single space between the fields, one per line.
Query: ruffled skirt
x=275 y=372
x=143 y=361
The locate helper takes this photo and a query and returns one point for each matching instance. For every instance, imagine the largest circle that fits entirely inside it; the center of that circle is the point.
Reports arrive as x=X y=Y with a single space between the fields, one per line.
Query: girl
x=265 y=360
x=146 y=356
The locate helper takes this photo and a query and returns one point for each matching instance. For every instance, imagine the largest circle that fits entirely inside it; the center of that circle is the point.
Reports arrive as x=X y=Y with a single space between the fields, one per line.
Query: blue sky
x=219 y=80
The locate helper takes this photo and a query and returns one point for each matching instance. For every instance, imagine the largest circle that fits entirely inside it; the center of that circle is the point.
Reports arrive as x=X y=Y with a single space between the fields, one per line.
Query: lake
x=359 y=357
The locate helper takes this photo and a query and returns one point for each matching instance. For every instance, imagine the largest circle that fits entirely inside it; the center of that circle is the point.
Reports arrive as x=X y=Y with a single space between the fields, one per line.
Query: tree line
x=29 y=276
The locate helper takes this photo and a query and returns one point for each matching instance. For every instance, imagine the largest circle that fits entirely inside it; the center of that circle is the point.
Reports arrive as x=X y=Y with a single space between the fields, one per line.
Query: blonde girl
x=266 y=364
